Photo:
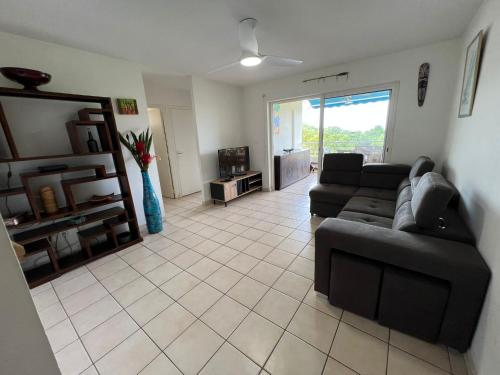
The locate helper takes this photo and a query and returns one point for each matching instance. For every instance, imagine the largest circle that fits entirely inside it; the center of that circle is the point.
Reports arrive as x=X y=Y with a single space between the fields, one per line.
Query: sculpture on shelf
x=140 y=146
x=49 y=200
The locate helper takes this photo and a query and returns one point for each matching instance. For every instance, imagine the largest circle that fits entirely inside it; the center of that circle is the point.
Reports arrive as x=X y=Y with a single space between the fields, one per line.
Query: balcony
x=372 y=150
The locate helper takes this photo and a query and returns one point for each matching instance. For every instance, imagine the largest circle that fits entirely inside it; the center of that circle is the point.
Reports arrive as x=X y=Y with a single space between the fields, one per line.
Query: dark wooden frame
x=36 y=239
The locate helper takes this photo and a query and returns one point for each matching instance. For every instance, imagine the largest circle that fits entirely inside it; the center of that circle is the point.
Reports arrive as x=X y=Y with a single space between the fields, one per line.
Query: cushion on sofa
x=404 y=196
x=387 y=194
x=332 y=193
x=414 y=182
x=430 y=199
x=383 y=175
x=372 y=206
x=341 y=169
x=404 y=183
x=451 y=226
x=386 y=168
x=360 y=217
x=421 y=166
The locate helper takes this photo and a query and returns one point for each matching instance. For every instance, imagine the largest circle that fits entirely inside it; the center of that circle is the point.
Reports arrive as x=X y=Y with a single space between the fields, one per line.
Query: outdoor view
x=354 y=123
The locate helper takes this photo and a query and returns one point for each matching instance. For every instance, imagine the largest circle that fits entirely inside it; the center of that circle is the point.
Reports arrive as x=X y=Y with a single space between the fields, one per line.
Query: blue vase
x=151 y=205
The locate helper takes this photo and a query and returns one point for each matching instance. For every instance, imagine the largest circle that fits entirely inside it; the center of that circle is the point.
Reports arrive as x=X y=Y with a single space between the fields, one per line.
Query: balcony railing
x=372 y=150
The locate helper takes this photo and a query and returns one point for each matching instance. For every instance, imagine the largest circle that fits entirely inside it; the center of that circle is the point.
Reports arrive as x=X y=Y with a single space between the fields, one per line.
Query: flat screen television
x=234 y=161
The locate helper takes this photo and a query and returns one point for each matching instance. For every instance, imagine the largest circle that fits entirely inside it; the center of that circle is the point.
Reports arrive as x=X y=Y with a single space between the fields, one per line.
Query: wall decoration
x=127 y=106
x=423 y=80
x=276 y=118
x=471 y=70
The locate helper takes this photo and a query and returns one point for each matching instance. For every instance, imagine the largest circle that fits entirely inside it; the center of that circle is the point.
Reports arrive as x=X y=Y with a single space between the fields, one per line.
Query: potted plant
x=140 y=146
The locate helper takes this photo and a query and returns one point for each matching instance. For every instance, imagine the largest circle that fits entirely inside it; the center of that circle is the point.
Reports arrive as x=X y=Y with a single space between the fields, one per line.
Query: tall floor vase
x=151 y=205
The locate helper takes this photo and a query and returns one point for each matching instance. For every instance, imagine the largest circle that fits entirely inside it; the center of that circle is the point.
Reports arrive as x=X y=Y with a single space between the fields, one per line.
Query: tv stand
x=224 y=191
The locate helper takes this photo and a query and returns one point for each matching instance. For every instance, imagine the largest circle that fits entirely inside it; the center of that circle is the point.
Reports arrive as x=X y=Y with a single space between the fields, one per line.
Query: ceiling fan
x=250 y=55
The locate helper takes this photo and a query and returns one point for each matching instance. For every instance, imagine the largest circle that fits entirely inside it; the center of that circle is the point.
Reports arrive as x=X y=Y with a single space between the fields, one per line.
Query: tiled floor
x=221 y=291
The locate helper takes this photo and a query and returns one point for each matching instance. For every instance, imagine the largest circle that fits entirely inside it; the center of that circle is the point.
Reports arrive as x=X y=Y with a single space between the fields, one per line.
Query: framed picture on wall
x=471 y=70
x=127 y=106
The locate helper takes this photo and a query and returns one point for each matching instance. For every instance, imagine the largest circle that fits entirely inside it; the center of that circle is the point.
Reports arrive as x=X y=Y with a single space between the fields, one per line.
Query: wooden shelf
x=35 y=94
x=61 y=156
x=61 y=226
x=37 y=246
x=84 y=180
x=12 y=191
x=37 y=239
x=99 y=168
x=46 y=272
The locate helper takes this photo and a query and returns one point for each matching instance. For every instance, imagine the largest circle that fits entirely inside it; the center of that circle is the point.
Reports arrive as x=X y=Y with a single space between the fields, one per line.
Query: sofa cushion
x=332 y=193
x=404 y=196
x=341 y=169
x=406 y=182
x=387 y=194
x=372 y=206
x=360 y=217
x=451 y=226
x=414 y=182
x=430 y=199
x=421 y=166
x=386 y=168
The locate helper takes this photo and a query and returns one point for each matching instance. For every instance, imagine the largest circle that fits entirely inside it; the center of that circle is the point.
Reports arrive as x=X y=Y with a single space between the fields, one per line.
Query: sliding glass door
x=357 y=123
x=295 y=126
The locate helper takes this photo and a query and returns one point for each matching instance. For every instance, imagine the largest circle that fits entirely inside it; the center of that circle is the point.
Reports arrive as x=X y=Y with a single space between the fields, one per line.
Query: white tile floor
x=221 y=291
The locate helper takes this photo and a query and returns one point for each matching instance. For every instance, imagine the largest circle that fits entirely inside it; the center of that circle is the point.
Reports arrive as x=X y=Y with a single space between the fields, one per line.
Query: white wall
x=472 y=162
x=80 y=72
x=218 y=116
x=25 y=349
x=418 y=130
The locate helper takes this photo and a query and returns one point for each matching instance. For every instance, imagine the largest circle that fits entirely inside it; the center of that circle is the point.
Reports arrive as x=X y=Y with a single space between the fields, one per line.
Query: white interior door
x=186 y=151
x=161 y=149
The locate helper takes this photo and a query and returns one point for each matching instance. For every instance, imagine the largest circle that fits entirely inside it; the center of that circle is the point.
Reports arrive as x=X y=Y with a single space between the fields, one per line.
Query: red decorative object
x=139 y=147
x=29 y=78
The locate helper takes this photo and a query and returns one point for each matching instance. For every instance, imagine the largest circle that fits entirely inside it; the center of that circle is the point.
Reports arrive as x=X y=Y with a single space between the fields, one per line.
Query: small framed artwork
x=471 y=70
x=127 y=106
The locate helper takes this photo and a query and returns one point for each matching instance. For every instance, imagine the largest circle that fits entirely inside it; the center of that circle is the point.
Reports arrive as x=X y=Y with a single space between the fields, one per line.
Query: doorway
x=161 y=149
x=359 y=121
x=174 y=137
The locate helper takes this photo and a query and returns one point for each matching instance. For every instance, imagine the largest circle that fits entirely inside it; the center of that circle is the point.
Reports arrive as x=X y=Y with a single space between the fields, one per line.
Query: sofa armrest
x=457 y=263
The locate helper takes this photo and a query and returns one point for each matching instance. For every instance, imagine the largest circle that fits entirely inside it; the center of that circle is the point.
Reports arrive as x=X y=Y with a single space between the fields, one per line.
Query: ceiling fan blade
x=224 y=67
x=281 y=61
x=246 y=33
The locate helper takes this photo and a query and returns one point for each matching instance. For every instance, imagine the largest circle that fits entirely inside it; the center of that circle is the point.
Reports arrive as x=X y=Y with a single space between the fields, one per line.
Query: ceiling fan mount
x=250 y=55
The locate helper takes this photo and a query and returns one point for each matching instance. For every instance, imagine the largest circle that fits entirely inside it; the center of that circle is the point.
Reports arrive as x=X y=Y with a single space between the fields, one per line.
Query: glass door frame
x=389 y=130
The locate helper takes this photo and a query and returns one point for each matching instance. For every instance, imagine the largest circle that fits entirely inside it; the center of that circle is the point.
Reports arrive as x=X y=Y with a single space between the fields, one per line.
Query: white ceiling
x=197 y=36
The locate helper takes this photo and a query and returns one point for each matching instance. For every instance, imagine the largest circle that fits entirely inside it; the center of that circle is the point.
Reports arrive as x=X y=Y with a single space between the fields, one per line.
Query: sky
x=360 y=117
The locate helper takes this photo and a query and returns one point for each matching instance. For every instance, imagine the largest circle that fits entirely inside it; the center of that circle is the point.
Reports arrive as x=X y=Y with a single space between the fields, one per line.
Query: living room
x=243 y=284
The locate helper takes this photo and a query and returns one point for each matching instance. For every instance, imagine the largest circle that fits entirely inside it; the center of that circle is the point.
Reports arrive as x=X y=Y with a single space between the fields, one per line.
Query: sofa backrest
x=383 y=175
x=430 y=199
x=343 y=169
x=422 y=165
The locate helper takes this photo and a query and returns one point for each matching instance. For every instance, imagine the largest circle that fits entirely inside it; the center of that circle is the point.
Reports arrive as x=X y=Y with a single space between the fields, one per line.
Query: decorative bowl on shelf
x=29 y=78
x=101 y=198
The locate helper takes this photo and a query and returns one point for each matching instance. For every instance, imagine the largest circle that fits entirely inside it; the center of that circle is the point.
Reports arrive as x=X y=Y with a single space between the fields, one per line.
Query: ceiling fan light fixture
x=250 y=61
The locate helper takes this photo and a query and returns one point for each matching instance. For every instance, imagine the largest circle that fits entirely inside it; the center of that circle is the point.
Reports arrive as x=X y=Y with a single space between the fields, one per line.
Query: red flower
x=146 y=158
x=140 y=146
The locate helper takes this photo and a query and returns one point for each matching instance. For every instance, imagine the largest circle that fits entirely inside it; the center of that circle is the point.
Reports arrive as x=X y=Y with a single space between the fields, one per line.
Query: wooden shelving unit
x=35 y=232
x=225 y=191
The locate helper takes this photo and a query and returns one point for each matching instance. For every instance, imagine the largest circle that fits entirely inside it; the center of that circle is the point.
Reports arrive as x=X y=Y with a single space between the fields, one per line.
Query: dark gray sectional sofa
x=395 y=249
